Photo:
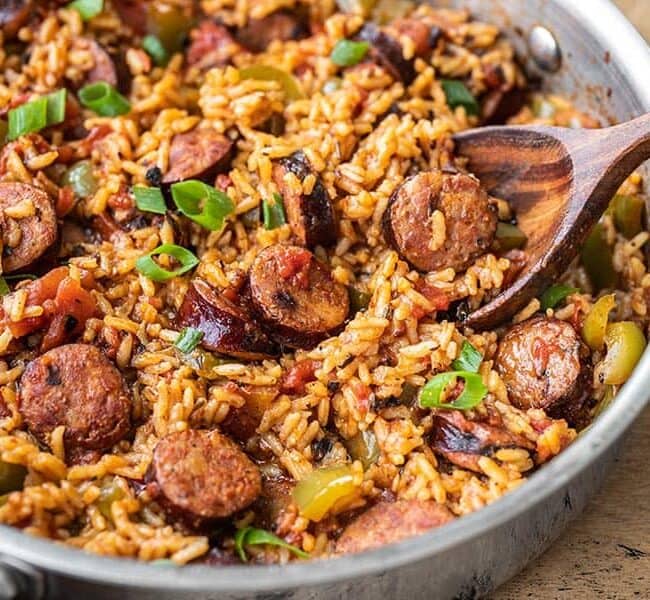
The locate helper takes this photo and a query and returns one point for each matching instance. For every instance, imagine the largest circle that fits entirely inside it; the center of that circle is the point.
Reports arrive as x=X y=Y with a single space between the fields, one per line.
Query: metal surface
x=471 y=556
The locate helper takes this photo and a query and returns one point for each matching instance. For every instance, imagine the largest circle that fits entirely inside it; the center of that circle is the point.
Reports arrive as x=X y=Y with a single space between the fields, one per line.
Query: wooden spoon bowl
x=559 y=183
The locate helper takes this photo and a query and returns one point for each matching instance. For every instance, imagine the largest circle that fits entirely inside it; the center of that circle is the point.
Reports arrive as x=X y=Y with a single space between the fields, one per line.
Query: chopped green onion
x=458 y=95
x=188 y=196
x=251 y=536
x=473 y=392
x=81 y=179
x=347 y=53
x=188 y=339
x=555 y=294
x=154 y=48
x=273 y=213
x=149 y=199
x=87 y=8
x=358 y=300
x=37 y=114
x=469 y=360
x=149 y=268
x=104 y=99
x=56 y=106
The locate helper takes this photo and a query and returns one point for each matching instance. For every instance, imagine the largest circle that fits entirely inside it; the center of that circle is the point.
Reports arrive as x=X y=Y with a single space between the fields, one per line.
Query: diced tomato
x=65 y=201
x=362 y=393
x=67 y=305
x=123 y=200
x=299 y=376
x=541 y=354
x=296 y=264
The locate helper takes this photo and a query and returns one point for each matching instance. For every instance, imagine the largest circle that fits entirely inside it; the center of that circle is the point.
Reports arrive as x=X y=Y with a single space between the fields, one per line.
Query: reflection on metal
x=544 y=49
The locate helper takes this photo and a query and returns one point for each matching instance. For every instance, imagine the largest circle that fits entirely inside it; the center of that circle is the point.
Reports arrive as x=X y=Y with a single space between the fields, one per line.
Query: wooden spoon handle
x=604 y=158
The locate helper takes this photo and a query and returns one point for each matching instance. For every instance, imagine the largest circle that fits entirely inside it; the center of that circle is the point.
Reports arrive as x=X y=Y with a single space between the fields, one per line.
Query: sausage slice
x=470 y=221
x=198 y=154
x=198 y=476
x=463 y=442
x=78 y=387
x=211 y=46
x=544 y=364
x=257 y=34
x=296 y=297
x=311 y=216
x=387 y=51
x=391 y=522
x=226 y=327
x=25 y=238
x=13 y=15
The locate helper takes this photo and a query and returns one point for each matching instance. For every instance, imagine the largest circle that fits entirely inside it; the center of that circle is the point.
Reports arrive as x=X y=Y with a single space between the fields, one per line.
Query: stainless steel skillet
x=605 y=68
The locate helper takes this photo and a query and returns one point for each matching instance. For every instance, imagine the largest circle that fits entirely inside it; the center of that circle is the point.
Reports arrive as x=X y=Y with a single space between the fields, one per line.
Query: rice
x=363 y=133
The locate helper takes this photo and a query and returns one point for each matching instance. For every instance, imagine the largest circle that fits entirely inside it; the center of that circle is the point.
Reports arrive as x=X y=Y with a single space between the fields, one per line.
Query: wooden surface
x=606 y=552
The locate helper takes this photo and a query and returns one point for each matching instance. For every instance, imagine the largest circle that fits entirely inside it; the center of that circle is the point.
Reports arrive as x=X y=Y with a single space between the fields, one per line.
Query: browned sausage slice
x=257 y=34
x=391 y=522
x=198 y=476
x=387 y=52
x=197 y=154
x=132 y=13
x=78 y=387
x=211 y=46
x=226 y=328
x=25 y=238
x=544 y=364
x=296 y=297
x=470 y=221
x=462 y=441
x=311 y=216
x=13 y=15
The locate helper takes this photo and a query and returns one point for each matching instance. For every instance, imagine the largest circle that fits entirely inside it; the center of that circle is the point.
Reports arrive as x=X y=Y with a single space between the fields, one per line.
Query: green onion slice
x=202 y=203
x=87 y=8
x=149 y=268
x=104 y=99
x=458 y=95
x=473 y=392
x=154 y=48
x=149 y=199
x=347 y=53
x=37 y=114
x=273 y=213
x=188 y=339
x=251 y=536
x=555 y=294
x=469 y=360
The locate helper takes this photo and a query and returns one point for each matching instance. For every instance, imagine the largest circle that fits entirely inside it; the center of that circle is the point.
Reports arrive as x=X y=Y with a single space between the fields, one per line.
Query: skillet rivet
x=544 y=49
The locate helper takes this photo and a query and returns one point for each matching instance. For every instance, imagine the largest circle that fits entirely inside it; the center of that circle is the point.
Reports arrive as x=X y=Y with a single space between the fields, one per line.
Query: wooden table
x=606 y=552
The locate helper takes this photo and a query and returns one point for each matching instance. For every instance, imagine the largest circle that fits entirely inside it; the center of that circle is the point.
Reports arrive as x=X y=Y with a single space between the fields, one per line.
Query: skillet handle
x=20 y=581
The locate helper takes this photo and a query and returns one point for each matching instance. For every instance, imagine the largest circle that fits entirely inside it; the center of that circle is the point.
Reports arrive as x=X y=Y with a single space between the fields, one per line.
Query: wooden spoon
x=559 y=182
